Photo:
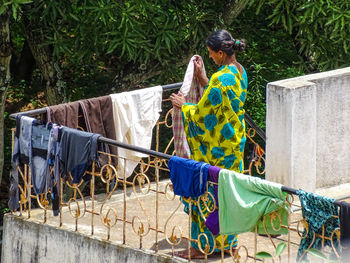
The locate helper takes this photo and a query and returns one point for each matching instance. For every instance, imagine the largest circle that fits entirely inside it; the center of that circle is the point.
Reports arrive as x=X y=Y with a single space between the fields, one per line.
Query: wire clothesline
x=167 y=87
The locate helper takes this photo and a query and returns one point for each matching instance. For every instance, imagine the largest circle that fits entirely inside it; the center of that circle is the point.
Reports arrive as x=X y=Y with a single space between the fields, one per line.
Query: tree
x=72 y=43
x=320 y=29
x=5 y=58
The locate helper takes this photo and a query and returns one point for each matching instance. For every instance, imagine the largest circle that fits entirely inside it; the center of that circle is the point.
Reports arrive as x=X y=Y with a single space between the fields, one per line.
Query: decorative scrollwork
x=337 y=233
x=306 y=227
x=169 y=113
x=107 y=220
x=206 y=250
x=140 y=231
x=258 y=162
x=237 y=256
x=173 y=239
x=273 y=217
x=43 y=201
x=108 y=173
x=105 y=217
x=77 y=211
x=169 y=240
x=171 y=189
x=205 y=200
x=141 y=179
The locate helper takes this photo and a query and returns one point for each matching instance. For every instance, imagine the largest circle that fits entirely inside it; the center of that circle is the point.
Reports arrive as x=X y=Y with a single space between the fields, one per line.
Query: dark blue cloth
x=189 y=177
x=78 y=150
x=344 y=216
x=317 y=211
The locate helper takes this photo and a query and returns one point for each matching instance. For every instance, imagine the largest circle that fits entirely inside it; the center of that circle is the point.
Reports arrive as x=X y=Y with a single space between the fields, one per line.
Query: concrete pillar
x=308 y=130
x=291 y=134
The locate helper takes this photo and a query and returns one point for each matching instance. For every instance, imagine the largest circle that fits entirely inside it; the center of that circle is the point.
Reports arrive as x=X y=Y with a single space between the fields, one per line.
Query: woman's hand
x=199 y=73
x=198 y=67
x=177 y=100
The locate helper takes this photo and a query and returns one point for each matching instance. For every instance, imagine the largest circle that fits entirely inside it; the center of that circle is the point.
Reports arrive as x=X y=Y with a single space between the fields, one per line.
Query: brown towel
x=98 y=115
x=64 y=114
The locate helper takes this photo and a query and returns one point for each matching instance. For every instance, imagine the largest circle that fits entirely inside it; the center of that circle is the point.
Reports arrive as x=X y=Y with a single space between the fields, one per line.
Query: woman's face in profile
x=216 y=56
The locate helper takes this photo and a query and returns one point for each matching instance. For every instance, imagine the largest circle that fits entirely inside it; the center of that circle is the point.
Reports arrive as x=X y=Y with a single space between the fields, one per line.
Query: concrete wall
x=30 y=242
x=308 y=130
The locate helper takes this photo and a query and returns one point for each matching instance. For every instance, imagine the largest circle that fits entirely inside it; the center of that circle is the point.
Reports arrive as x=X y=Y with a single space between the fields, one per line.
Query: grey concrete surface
x=308 y=130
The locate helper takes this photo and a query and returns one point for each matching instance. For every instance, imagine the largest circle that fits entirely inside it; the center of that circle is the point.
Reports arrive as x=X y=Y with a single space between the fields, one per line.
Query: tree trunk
x=233 y=9
x=5 y=58
x=48 y=65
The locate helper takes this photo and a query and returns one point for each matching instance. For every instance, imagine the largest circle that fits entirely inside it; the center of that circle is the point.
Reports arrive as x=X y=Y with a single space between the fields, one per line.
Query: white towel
x=135 y=113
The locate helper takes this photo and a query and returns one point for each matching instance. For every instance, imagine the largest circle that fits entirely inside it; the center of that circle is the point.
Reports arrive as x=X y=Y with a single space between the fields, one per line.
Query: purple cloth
x=212 y=221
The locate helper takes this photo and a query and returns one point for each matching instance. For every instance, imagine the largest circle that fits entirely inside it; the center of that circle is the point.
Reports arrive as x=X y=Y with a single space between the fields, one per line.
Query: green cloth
x=244 y=200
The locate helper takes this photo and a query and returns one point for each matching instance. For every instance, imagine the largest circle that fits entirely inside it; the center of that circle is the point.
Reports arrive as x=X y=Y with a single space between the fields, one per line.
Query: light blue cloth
x=25 y=137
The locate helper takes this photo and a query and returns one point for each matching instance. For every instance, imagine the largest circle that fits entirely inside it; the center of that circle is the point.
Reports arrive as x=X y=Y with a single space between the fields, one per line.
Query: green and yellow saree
x=215 y=131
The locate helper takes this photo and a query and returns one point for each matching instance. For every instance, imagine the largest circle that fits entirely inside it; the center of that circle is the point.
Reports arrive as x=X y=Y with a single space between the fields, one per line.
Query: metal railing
x=119 y=209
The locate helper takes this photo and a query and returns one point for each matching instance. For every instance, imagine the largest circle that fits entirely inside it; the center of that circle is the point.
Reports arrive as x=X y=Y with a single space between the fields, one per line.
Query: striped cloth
x=193 y=91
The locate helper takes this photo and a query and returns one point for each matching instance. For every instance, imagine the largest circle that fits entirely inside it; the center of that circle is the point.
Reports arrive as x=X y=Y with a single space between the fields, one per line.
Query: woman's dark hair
x=222 y=40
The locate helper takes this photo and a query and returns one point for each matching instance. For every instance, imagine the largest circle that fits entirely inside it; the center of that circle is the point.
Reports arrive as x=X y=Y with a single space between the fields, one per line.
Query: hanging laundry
x=53 y=159
x=33 y=143
x=30 y=147
x=189 y=177
x=66 y=114
x=40 y=169
x=193 y=91
x=344 y=218
x=25 y=139
x=78 y=150
x=135 y=114
x=245 y=200
x=13 y=202
x=318 y=211
x=98 y=116
x=212 y=221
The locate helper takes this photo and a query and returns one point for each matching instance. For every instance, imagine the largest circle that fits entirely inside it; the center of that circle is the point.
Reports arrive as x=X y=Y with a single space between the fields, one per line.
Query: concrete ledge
x=28 y=241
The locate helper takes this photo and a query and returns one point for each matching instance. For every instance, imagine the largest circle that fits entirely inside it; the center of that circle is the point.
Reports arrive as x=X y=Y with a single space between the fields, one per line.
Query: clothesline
x=43 y=110
x=152 y=152
x=167 y=87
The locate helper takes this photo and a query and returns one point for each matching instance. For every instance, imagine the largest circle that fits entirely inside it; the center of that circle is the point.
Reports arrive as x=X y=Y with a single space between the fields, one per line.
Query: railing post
x=92 y=192
x=157 y=202
x=124 y=205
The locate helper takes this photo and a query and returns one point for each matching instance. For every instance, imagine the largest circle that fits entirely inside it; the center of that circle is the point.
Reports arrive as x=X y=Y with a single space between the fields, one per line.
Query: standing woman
x=215 y=128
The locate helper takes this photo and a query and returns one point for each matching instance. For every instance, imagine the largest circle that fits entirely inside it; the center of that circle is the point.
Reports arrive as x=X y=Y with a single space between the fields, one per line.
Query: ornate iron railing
x=142 y=211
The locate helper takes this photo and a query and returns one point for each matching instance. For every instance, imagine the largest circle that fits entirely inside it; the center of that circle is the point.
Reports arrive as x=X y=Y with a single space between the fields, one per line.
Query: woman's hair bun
x=239 y=45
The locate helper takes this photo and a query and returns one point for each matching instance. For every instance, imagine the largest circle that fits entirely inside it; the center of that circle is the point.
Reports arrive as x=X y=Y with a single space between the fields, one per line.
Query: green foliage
x=318 y=254
x=270 y=56
x=255 y=103
x=315 y=252
x=321 y=29
x=278 y=252
x=134 y=31
x=263 y=255
x=14 y=5
x=280 y=248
